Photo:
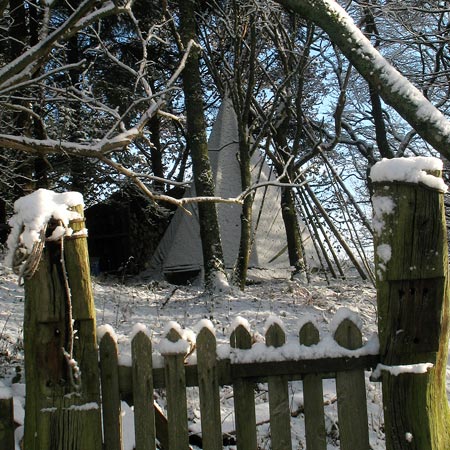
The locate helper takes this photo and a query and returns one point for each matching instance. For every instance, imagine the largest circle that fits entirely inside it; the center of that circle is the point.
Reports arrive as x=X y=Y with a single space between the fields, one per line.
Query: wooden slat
x=6 y=423
x=313 y=396
x=162 y=427
x=176 y=397
x=244 y=397
x=351 y=394
x=209 y=390
x=280 y=417
x=294 y=370
x=144 y=412
x=112 y=419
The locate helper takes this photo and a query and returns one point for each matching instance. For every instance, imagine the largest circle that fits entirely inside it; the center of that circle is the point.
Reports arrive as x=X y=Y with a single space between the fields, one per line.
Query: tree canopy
x=92 y=97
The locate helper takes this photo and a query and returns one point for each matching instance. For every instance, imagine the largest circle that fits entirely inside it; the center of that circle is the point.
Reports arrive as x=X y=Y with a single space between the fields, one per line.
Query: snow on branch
x=392 y=86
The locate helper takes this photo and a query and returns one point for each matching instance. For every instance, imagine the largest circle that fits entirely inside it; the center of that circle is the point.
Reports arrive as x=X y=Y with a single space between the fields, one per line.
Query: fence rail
x=135 y=384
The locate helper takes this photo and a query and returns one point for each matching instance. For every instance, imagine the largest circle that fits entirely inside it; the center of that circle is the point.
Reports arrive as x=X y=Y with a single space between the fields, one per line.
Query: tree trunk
x=412 y=294
x=154 y=126
x=293 y=236
x=62 y=412
x=245 y=244
x=197 y=142
x=288 y=209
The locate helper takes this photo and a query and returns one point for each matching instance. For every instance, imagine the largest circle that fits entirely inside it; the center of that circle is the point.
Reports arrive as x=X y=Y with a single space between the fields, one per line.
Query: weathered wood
x=49 y=326
x=64 y=427
x=351 y=394
x=112 y=418
x=257 y=372
x=144 y=411
x=280 y=417
x=208 y=384
x=313 y=396
x=244 y=397
x=83 y=309
x=162 y=427
x=295 y=370
x=6 y=423
x=413 y=321
x=176 y=397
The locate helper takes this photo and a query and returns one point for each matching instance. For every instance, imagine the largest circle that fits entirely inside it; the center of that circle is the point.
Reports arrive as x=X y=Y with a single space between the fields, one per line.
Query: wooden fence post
x=6 y=420
x=62 y=410
x=412 y=294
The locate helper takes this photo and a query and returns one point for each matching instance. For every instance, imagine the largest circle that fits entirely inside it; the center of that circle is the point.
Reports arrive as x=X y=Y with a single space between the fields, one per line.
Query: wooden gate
x=136 y=384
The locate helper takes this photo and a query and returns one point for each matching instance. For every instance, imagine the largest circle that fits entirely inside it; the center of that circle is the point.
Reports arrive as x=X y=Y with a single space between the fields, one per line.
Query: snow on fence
x=340 y=355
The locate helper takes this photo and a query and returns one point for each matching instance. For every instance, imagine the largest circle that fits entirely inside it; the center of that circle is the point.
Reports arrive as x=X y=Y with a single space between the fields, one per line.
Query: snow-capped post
x=244 y=394
x=174 y=349
x=315 y=433
x=48 y=248
x=413 y=304
x=280 y=423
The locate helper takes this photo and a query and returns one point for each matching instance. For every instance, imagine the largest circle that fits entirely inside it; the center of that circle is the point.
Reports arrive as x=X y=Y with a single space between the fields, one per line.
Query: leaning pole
x=413 y=301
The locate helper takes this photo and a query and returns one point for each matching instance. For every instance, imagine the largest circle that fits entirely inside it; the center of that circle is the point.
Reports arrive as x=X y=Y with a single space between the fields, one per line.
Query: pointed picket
x=112 y=418
x=175 y=379
x=280 y=417
x=208 y=383
x=313 y=396
x=351 y=393
x=244 y=397
x=144 y=411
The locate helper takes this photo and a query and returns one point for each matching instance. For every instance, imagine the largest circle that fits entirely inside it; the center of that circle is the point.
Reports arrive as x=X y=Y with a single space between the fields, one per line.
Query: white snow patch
x=220 y=283
x=33 y=211
x=273 y=320
x=384 y=252
x=139 y=328
x=84 y=407
x=308 y=318
x=402 y=369
x=326 y=348
x=173 y=325
x=410 y=170
x=343 y=314
x=102 y=330
x=240 y=321
x=381 y=205
x=205 y=323
x=182 y=346
x=166 y=347
x=5 y=393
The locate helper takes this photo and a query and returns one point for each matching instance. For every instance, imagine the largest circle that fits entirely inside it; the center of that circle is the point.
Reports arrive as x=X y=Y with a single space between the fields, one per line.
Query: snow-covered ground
x=154 y=304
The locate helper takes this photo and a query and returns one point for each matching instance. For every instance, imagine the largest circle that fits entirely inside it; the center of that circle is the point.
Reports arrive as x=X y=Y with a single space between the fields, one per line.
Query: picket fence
x=169 y=431
x=136 y=385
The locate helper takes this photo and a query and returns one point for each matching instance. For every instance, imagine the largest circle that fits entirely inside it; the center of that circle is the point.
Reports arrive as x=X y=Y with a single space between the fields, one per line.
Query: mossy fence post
x=412 y=288
x=62 y=410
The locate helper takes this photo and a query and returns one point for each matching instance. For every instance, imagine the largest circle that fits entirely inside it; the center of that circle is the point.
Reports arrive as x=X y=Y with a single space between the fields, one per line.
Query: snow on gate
x=245 y=370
